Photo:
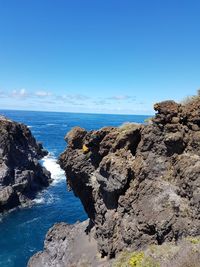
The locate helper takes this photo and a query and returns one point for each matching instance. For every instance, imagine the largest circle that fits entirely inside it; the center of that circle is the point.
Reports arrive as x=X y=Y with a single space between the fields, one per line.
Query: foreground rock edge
x=69 y=246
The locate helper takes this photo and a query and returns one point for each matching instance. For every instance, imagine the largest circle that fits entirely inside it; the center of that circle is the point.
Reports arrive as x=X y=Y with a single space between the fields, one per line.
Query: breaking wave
x=50 y=163
x=57 y=175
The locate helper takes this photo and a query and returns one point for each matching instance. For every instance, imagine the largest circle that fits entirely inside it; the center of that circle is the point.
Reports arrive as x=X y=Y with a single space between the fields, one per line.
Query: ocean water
x=22 y=231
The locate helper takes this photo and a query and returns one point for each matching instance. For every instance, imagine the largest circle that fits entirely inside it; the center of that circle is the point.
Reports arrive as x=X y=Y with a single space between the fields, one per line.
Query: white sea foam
x=29 y=126
x=50 y=198
x=45 y=197
x=39 y=200
x=57 y=174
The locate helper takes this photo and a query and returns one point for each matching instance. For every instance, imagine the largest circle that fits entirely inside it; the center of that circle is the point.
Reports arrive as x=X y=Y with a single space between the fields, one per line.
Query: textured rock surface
x=21 y=175
x=68 y=246
x=186 y=253
x=139 y=184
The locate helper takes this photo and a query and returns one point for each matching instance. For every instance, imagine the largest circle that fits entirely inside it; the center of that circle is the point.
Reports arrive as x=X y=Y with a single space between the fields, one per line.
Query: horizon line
x=71 y=112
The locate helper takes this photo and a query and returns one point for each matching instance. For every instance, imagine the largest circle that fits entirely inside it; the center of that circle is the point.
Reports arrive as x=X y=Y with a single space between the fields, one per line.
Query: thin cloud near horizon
x=51 y=101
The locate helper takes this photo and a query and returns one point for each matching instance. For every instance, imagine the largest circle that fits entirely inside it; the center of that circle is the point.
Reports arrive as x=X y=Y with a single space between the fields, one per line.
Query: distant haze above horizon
x=102 y=56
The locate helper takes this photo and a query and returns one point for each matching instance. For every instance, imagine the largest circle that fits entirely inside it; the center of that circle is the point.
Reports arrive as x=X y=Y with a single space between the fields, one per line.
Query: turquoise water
x=23 y=230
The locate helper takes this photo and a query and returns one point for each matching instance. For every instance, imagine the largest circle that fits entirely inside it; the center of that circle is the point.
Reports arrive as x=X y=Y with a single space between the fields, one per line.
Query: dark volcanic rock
x=21 y=175
x=139 y=184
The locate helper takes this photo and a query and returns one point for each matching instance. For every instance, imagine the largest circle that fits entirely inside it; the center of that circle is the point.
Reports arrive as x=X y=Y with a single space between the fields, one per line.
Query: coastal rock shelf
x=67 y=246
x=21 y=175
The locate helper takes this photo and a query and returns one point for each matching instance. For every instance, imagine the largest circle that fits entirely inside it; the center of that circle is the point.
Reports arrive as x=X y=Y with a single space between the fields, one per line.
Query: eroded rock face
x=21 y=175
x=139 y=184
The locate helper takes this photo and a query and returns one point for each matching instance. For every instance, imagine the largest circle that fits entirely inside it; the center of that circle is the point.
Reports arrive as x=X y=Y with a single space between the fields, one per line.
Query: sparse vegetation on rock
x=184 y=254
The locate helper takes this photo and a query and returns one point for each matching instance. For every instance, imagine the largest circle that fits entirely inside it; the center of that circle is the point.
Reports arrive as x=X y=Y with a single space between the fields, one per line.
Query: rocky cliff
x=139 y=184
x=21 y=175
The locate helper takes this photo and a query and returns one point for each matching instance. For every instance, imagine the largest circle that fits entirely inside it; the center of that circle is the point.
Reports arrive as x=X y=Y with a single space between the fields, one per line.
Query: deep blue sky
x=106 y=56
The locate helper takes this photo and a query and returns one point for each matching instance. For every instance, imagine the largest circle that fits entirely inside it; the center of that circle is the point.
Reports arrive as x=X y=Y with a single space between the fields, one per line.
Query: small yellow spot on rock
x=194 y=240
x=136 y=259
x=85 y=149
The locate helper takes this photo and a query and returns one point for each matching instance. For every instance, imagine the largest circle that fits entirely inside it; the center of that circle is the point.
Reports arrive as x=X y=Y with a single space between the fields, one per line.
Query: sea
x=22 y=231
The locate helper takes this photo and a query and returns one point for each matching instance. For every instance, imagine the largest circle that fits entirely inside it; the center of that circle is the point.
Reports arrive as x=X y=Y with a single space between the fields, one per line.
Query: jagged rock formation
x=139 y=184
x=21 y=175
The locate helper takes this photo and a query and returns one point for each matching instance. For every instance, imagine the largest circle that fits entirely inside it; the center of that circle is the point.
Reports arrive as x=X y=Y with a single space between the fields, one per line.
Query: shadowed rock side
x=21 y=175
x=139 y=184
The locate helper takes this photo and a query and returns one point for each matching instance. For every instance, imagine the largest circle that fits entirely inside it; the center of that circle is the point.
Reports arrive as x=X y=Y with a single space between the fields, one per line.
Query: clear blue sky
x=105 y=56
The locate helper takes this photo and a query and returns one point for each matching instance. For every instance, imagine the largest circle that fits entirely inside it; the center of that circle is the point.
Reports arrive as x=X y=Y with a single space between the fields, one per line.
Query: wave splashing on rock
x=21 y=174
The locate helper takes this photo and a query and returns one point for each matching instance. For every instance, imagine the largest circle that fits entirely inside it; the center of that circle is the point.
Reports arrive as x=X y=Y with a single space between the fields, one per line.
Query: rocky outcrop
x=21 y=175
x=139 y=184
x=68 y=246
